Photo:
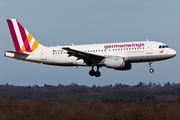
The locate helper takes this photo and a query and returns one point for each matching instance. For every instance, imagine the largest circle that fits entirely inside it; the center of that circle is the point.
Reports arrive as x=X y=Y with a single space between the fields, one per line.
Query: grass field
x=67 y=109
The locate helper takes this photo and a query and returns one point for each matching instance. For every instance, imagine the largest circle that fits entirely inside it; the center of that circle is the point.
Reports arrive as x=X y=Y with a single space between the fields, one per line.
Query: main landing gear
x=95 y=73
x=150 y=65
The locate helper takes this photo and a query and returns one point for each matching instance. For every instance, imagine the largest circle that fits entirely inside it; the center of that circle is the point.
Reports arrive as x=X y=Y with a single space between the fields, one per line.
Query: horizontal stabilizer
x=16 y=55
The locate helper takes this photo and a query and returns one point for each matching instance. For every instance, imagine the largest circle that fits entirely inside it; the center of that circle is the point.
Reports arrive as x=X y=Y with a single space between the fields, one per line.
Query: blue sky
x=84 y=22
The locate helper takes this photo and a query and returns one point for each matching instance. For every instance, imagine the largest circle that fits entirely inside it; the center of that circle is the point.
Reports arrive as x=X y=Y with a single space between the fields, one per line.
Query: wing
x=87 y=57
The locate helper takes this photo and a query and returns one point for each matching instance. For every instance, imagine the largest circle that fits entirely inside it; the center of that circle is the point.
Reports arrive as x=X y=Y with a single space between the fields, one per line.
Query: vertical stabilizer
x=22 y=39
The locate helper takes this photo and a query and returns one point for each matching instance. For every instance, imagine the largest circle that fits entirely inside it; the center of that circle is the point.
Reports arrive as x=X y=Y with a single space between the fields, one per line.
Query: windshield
x=163 y=46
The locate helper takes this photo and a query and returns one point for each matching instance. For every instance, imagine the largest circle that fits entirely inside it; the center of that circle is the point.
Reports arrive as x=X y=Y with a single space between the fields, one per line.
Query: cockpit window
x=163 y=46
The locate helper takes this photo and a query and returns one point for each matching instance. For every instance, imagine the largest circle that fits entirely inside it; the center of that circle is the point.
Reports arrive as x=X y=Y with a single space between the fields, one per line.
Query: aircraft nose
x=173 y=53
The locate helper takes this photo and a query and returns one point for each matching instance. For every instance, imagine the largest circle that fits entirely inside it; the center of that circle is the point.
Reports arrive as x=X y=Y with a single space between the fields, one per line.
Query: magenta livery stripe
x=13 y=35
x=24 y=37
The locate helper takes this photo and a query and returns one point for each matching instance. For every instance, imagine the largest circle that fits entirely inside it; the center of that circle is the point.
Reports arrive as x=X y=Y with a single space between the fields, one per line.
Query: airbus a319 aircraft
x=118 y=56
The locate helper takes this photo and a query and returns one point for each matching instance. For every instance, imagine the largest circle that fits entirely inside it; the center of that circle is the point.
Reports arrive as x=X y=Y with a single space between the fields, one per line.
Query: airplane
x=117 y=56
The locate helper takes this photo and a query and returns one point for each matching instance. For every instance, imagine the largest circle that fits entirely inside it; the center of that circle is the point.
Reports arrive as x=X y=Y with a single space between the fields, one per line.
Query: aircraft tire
x=92 y=72
x=151 y=70
x=97 y=74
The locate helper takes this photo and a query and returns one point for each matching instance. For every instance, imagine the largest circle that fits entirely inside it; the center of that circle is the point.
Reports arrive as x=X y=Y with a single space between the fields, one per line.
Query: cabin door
x=149 y=48
x=43 y=54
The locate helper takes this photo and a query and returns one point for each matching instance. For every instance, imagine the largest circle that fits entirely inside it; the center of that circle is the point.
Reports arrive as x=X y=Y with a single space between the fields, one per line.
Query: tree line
x=107 y=93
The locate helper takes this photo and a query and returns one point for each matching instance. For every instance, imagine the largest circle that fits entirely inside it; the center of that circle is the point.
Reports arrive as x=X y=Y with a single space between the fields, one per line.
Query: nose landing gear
x=151 y=70
x=150 y=65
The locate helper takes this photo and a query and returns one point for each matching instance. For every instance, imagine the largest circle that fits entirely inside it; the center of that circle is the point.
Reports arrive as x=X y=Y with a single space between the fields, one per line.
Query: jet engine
x=117 y=63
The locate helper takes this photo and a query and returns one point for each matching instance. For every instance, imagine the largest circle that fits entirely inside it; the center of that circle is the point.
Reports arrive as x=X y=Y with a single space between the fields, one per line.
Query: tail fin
x=22 y=39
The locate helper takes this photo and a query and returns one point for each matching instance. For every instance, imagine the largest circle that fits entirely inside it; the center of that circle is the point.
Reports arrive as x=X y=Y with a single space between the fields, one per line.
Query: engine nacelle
x=114 y=62
x=126 y=67
x=117 y=63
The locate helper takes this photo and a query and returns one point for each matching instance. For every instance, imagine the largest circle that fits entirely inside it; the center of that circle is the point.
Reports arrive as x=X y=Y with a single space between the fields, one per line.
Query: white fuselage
x=141 y=51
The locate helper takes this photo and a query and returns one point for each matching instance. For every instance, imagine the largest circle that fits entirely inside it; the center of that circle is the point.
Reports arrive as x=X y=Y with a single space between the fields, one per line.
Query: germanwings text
x=124 y=45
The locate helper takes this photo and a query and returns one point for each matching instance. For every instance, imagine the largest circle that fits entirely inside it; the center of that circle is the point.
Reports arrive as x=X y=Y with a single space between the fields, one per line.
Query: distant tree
x=159 y=84
x=150 y=84
x=94 y=86
x=141 y=84
x=154 y=84
x=73 y=84
x=36 y=86
x=118 y=85
x=125 y=86
x=168 y=83
x=173 y=83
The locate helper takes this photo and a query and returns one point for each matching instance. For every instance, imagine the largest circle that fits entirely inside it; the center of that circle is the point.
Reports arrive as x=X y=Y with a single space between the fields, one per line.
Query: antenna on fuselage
x=147 y=40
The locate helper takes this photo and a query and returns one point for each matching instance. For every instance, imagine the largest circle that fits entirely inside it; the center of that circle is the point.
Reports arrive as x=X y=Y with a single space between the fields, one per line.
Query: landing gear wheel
x=151 y=70
x=97 y=74
x=150 y=65
x=92 y=72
